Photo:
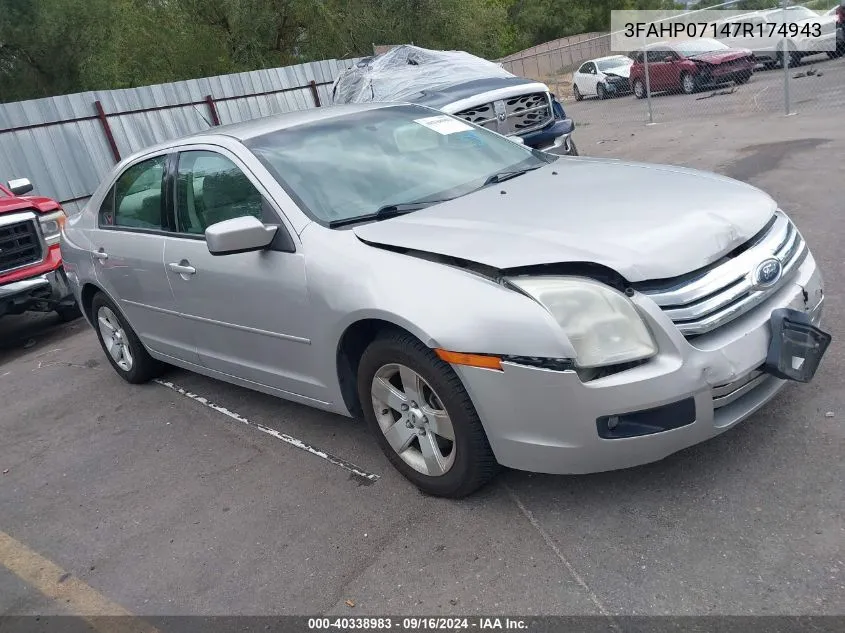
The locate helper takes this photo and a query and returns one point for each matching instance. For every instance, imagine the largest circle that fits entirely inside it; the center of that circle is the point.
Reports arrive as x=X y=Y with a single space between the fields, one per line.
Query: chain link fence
x=596 y=90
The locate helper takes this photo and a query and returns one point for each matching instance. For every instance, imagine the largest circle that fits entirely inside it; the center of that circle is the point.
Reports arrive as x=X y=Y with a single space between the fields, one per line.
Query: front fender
x=444 y=306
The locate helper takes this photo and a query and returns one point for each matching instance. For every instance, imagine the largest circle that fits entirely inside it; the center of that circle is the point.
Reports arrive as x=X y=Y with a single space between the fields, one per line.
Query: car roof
x=256 y=127
x=246 y=130
x=601 y=59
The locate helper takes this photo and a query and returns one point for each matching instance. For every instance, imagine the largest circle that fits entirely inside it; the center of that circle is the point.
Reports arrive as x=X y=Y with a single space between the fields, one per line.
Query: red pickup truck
x=31 y=273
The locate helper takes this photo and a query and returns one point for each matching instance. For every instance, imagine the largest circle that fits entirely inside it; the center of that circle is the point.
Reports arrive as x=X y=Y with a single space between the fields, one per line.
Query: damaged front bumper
x=41 y=293
x=550 y=421
x=555 y=139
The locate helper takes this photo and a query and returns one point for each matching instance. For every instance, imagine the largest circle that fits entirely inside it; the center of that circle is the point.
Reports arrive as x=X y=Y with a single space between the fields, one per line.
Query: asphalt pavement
x=152 y=500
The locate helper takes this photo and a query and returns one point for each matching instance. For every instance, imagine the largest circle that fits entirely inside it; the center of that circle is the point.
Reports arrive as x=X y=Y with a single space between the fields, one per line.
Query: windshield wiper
x=386 y=212
x=502 y=176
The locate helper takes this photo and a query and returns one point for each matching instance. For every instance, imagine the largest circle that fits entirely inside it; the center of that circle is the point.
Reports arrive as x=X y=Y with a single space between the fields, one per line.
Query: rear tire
x=466 y=460
x=639 y=89
x=121 y=345
x=576 y=93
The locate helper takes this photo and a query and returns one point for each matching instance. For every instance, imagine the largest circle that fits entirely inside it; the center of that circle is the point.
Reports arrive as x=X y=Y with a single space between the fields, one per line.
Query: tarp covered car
x=455 y=82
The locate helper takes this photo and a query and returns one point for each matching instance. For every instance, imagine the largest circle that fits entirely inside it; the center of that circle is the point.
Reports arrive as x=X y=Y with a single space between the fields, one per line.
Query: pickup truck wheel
x=69 y=313
x=422 y=417
x=120 y=343
x=639 y=89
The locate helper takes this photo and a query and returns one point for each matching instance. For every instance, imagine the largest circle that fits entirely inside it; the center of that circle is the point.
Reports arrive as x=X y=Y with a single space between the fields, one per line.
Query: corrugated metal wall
x=63 y=147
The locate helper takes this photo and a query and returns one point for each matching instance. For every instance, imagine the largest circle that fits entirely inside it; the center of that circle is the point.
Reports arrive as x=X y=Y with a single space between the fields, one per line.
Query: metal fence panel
x=61 y=144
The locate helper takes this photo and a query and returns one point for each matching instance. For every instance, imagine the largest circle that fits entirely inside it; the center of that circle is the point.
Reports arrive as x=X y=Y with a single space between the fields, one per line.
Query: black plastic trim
x=553 y=364
x=648 y=421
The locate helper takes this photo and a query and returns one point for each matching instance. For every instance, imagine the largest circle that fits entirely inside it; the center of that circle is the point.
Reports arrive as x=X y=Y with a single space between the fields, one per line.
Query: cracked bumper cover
x=546 y=421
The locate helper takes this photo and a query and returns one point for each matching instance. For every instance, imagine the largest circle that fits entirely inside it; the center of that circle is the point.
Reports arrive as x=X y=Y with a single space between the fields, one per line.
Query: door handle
x=100 y=254
x=182 y=268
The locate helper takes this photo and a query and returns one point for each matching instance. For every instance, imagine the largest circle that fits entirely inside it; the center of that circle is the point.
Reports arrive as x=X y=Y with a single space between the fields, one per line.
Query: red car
x=31 y=274
x=690 y=65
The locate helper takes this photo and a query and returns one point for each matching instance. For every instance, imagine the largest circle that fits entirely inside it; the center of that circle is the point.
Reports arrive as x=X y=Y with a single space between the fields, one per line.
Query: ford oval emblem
x=767 y=273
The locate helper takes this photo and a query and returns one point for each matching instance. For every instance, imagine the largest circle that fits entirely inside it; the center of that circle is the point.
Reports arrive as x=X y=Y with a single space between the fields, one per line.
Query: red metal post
x=101 y=114
x=215 y=119
x=314 y=92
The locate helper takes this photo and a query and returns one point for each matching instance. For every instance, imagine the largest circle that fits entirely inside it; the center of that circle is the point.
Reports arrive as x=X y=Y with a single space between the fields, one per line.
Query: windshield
x=614 y=62
x=698 y=47
x=353 y=165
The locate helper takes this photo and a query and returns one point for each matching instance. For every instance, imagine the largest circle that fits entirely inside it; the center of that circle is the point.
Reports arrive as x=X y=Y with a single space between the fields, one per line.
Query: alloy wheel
x=114 y=338
x=639 y=89
x=413 y=419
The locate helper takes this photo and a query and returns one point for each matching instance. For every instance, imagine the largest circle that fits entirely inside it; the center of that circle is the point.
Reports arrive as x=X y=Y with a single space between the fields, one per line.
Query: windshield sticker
x=443 y=124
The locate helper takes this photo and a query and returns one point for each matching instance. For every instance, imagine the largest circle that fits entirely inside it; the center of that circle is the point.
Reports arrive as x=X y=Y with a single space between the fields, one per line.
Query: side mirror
x=669 y=58
x=239 y=235
x=19 y=186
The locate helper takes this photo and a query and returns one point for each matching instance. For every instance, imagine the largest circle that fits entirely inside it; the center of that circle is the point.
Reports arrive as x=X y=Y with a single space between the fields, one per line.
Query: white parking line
x=337 y=461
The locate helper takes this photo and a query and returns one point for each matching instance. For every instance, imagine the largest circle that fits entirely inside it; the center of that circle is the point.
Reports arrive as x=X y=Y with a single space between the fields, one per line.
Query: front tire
x=573 y=149
x=687 y=83
x=423 y=418
x=68 y=313
x=601 y=92
x=794 y=59
x=743 y=78
x=121 y=345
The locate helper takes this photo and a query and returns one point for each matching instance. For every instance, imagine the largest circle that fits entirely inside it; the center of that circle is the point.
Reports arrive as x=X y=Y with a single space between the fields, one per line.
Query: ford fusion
x=478 y=302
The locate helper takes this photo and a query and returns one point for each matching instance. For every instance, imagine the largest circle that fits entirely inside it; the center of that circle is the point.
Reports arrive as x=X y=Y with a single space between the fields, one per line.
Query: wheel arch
x=355 y=338
x=89 y=290
x=87 y=294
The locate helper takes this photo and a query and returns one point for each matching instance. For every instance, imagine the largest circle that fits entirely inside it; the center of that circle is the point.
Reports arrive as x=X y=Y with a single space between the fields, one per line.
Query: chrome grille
x=700 y=303
x=19 y=245
x=514 y=115
x=723 y=395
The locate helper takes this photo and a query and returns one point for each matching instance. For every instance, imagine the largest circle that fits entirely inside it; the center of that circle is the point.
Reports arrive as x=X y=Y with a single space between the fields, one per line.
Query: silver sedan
x=478 y=302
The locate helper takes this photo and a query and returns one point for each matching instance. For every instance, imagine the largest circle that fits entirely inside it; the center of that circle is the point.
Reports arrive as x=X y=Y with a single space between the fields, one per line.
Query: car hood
x=721 y=57
x=622 y=71
x=475 y=92
x=9 y=204
x=643 y=221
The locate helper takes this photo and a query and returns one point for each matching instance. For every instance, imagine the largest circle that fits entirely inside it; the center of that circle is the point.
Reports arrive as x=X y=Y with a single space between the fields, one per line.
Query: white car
x=768 y=50
x=602 y=77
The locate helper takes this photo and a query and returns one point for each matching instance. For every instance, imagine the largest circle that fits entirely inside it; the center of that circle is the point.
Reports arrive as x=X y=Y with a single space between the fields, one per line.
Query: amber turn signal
x=472 y=360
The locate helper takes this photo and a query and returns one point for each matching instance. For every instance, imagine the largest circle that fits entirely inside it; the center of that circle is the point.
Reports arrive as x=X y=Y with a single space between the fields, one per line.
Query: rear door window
x=136 y=199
